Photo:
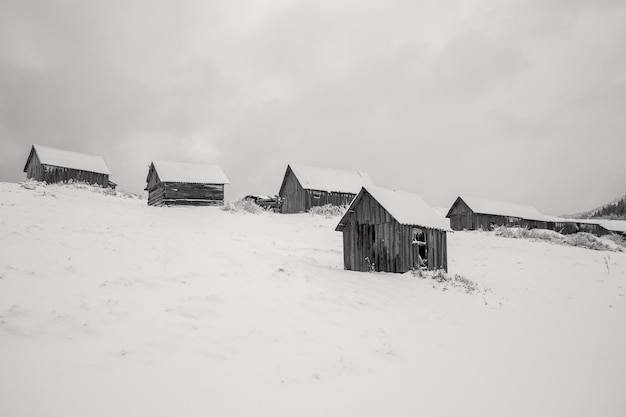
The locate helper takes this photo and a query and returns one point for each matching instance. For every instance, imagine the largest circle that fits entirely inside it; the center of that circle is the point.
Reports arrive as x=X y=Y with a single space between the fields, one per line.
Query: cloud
x=434 y=98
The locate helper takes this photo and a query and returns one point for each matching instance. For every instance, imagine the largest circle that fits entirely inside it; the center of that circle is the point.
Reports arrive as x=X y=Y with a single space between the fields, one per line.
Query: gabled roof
x=500 y=208
x=328 y=179
x=191 y=173
x=406 y=208
x=68 y=159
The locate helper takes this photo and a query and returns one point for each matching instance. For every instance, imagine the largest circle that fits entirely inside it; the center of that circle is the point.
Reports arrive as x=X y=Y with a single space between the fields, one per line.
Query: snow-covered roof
x=613 y=225
x=406 y=208
x=68 y=159
x=501 y=208
x=192 y=173
x=330 y=180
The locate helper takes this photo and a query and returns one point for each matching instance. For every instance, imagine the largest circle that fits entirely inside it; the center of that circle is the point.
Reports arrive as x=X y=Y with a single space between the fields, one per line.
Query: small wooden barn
x=56 y=165
x=305 y=187
x=392 y=231
x=177 y=183
x=470 y=213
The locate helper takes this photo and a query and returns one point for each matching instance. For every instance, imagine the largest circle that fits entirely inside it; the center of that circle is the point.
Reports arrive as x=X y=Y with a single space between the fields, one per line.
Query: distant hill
x=615 y=210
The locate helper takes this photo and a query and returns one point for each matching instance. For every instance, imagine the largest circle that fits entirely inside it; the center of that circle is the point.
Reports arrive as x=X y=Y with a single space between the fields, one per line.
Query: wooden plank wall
x=176 y=193
x=334 y=198
x=371 y=232
x=294 y=197
x=35 y=170
x=299 y=200
x=461 y=216
x=155 y=195
x=153 y=178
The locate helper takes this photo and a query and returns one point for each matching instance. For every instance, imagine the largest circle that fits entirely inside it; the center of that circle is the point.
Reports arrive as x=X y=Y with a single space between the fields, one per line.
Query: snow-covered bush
x=328 y=211
x=580 y=239
x=243 y=205
x=617 y=239
x=77 y=185
x=31 y=184
x=446 y=280
x=587 y=240
x=524 y=233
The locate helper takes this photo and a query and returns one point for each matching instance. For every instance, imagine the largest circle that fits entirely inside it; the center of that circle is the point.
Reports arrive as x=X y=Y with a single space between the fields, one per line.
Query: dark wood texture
x=296 y=199
x=182 y=193
x=52 y=174
x=374 y=240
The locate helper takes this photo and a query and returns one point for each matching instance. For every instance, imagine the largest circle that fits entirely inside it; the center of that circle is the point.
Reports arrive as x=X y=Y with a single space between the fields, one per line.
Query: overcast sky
x=520 y=100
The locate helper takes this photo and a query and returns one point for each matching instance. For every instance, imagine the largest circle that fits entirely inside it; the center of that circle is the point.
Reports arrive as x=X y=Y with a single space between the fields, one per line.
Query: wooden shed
x=392 y=231
x=304 y=187
x=470 y=213
x=56 y=165
x=177 y=183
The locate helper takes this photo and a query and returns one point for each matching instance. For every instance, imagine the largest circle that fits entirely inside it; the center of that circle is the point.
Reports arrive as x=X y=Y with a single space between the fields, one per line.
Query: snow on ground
x=112 y=308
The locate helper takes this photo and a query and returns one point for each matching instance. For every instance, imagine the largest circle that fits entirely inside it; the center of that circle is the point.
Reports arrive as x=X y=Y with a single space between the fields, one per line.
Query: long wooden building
x=392 y=231
x=304 y=187
x=177 y=183
x=470 y=213
x=55 y=165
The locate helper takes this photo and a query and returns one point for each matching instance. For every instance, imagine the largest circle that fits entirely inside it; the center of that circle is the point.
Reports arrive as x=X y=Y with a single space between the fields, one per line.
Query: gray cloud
x=519 y=100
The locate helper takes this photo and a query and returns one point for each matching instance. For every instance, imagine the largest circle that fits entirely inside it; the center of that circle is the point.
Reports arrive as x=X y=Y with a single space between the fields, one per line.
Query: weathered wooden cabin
x=392 y=231
x=469 y=213
x=305 y=187
x=177 y=183
x=56 y=165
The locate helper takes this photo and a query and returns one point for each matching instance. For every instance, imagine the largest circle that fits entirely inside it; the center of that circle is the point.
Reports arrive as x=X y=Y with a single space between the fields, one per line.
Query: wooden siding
x=51 y=174
x=188 y=194
x=155 y=195
x=292 y=193
x=153 y=178
x=373 y=239
x=461 y=216
x=299 y=200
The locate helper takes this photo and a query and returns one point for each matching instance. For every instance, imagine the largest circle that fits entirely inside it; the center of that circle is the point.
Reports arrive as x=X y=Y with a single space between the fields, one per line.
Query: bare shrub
x=616 y=238
x=243 y=206
x=580 y=239
x=328 y=211
x=587 y=240
x=447 y=281
x=79 y=185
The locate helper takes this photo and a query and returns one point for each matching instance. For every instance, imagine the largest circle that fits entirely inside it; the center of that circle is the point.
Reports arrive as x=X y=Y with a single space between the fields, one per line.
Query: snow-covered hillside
x=112 y=308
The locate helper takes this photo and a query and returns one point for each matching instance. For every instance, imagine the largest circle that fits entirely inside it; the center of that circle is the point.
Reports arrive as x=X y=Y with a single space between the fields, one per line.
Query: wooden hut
x=469 y=213
x=56 y=165
x=392 y=231
x=304 y=187
x=176 y=183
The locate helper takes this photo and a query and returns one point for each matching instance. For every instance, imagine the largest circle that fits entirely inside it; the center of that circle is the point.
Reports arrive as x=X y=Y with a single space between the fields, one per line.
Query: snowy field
x=112 y=308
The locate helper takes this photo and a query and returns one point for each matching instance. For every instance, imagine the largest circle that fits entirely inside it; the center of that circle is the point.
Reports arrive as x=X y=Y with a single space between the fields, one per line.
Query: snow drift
x=109 y=307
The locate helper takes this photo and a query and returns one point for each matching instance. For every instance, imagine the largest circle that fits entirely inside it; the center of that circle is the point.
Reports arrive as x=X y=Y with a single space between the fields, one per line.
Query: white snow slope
x=112 y=308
